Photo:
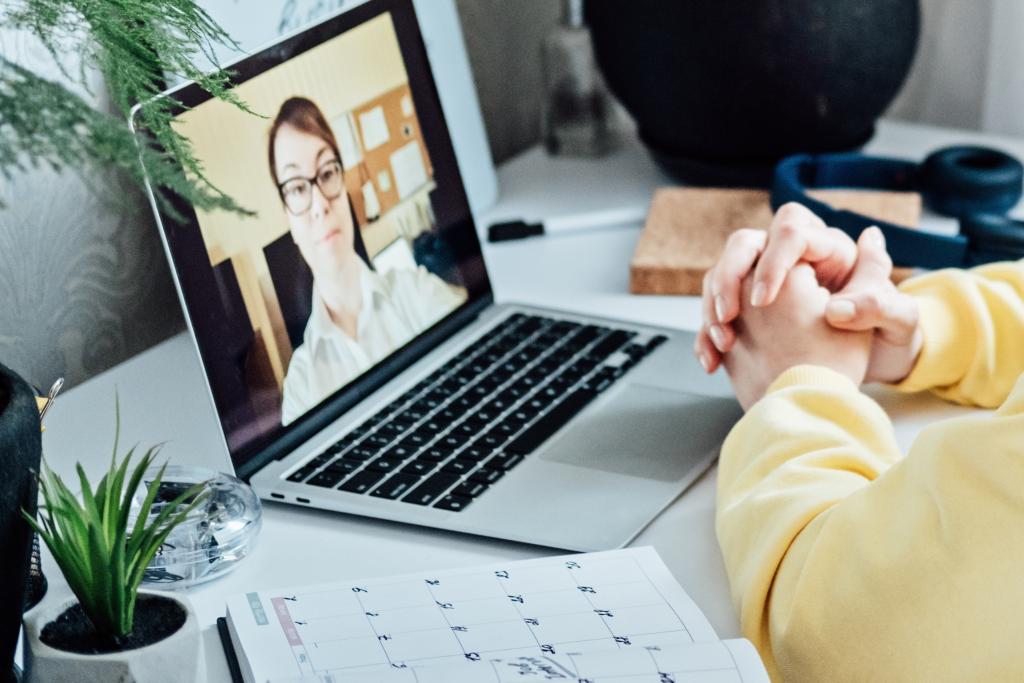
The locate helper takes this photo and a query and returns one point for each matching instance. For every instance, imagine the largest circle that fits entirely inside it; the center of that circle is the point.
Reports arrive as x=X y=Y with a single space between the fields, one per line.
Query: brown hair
x=301 y=114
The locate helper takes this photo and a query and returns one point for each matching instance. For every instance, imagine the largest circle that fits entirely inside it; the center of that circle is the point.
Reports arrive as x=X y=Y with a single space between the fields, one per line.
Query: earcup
x=960 y=181
x=993 y=237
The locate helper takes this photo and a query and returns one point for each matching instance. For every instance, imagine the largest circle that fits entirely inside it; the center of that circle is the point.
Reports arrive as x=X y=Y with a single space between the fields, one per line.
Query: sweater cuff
x=938 y=330
x=811 y=375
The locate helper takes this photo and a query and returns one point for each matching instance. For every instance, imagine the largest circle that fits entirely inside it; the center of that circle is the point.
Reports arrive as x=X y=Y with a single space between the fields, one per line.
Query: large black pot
x=723 y=89
x=20 y=449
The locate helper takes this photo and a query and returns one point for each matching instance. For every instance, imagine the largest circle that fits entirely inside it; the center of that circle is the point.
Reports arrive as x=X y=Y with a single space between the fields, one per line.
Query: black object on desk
x=20 y=453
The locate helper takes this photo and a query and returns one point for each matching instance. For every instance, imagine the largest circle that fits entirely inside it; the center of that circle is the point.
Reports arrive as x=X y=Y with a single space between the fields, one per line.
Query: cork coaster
x=686 y=229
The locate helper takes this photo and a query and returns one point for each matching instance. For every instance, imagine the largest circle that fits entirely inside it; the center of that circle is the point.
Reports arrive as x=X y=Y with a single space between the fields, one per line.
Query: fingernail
x=759 y=294
x=717 y=336
x=720 y=307
x=877 y=237
x=841 y=310
x=706 y=362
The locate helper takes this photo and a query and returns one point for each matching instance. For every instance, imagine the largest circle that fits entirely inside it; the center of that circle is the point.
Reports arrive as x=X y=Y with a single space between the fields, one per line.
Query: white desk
x=162 y=397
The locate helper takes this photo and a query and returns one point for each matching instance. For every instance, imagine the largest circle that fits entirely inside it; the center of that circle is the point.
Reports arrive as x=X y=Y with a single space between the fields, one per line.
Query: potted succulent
x=112 y=631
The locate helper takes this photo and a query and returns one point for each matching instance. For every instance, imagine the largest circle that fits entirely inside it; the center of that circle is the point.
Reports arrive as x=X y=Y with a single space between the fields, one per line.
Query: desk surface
x=162 y=395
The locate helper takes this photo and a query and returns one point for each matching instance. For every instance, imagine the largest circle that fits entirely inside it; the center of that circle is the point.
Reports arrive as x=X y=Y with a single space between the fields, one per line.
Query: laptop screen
x=360 y=244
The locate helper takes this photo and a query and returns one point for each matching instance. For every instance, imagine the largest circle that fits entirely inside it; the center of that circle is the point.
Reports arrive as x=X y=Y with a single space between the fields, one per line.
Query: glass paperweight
x=215 y=536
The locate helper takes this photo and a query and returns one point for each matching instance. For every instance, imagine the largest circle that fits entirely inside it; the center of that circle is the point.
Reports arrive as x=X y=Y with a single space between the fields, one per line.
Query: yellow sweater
x=848 y=561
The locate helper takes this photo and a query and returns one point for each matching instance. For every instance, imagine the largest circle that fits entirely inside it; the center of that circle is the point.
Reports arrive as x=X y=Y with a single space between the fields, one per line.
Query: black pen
x=514 y=230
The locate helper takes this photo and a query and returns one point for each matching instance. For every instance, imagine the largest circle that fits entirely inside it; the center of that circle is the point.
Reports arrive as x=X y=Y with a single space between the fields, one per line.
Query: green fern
x=102 y=560
x=133 y=44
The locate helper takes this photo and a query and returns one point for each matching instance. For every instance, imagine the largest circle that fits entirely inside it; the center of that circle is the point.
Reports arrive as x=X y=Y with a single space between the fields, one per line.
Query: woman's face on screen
x=324 y=230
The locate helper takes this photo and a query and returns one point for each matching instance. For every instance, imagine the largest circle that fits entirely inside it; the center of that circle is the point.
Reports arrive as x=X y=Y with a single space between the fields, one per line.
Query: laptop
x=351 y=344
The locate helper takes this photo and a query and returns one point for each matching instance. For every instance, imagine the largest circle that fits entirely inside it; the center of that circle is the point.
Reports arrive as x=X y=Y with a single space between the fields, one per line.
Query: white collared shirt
x=397 y=306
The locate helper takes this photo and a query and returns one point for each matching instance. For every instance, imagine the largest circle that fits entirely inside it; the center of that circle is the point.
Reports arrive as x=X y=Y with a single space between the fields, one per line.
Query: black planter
x=20 y=449
x=723 y=89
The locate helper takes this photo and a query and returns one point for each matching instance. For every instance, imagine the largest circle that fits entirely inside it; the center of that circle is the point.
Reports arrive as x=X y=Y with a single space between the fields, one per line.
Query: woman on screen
x=359 y=316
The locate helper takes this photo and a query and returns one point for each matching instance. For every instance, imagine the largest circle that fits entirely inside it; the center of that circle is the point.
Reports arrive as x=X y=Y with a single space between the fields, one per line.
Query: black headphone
x=978 y=185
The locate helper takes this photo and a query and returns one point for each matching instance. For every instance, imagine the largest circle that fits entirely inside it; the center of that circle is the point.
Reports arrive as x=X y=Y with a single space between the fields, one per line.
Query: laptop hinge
x=363 y=387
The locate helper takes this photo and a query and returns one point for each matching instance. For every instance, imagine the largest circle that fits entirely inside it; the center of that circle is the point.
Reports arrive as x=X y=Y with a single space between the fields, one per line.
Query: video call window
x=341 y=264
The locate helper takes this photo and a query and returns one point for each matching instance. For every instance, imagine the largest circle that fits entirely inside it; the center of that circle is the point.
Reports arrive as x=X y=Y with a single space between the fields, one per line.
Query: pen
x=54 y=390
x=513 y=230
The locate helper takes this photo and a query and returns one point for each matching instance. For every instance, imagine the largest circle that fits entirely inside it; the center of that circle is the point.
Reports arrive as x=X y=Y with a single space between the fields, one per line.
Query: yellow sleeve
x=847 y=562
x=973 y=326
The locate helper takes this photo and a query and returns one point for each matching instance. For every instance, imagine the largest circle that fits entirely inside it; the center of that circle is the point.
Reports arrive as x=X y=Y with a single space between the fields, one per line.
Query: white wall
x=969 y=69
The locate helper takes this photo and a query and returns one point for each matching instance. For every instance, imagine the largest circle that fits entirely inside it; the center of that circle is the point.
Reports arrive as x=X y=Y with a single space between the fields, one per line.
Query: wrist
x=892 y=363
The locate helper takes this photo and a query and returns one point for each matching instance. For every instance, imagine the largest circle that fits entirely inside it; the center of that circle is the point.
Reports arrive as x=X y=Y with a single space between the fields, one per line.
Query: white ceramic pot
x=178 y=658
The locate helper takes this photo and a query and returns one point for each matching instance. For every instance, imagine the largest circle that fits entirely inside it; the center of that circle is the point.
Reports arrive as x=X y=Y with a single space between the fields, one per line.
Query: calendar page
x=573 y=604
x=726 y=661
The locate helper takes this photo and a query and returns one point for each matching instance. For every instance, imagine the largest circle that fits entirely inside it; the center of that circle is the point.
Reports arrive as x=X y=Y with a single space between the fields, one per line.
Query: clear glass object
x=578 y=111
x=213 y=539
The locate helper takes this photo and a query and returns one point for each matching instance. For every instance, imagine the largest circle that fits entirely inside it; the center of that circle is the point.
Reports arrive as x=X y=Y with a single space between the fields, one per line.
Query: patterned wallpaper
x=84 y=283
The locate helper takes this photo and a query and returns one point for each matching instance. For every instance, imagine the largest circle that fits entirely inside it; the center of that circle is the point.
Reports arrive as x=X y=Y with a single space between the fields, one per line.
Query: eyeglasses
x=297 y=193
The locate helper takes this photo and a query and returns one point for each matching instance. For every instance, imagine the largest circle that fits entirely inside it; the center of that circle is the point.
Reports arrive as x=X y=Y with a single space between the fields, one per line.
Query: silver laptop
x=347 y=329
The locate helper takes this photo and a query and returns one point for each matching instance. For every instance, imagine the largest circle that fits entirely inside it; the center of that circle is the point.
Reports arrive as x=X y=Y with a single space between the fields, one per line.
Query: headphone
x=977 y=185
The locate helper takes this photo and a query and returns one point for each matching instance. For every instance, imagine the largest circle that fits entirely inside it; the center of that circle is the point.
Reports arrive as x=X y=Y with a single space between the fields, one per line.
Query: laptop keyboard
x=455 y=434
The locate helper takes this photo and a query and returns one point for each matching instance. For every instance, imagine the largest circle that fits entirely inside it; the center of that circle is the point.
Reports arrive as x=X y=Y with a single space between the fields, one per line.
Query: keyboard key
x=474 y=452
x=429 y=490
x=563 y=326
x=360 y=454
x=419 y=467
x=480 y=391
x=432 y=427
x=395 y=486
x=393 y=428
x=384 y=464
x=362 y=482
x=417 y=411
x=537 y=404
x=457 y=466
x=609 y=344
x=500 y=403
x=656 y=342
x=398 y=452
x=522 y=415
x=486 y=475
x=301 y=473
x=531 y=324
x=490 y=440
x=551 y=422
x=415 y=441
x=507 y=427
x=504 y=461
x=343 y=466
x=453 y=503
x=469 y=489
x=467 y=428
x=454 y=441
x=320 y=459
x=435 y=453
x=485 y=415
x=585 y=335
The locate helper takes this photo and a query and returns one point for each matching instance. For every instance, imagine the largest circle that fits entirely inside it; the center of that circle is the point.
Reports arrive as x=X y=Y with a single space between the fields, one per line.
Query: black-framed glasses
x=297 y=193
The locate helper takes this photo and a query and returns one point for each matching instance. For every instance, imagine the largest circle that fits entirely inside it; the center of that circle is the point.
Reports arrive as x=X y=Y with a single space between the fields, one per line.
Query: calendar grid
x=535 y=608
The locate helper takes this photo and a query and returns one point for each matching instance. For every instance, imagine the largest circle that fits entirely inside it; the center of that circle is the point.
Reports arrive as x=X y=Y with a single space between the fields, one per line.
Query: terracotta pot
x=177 y=658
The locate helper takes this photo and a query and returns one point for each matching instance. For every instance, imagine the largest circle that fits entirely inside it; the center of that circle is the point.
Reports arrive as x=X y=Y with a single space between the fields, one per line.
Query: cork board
x=686 y=229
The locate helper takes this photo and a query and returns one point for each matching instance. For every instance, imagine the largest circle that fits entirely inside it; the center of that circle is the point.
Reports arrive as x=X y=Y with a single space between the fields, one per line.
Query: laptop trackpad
x=647 y=432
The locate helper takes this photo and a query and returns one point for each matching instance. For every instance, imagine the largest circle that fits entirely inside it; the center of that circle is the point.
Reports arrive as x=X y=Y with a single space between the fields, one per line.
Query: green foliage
x=102 y=561
x=132 y=43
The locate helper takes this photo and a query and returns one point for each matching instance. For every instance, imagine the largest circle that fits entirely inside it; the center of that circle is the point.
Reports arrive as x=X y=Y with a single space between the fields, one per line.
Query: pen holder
x=20 y=452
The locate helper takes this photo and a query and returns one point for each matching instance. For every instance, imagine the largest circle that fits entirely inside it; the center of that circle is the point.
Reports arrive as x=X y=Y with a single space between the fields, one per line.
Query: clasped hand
x=804 y=293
